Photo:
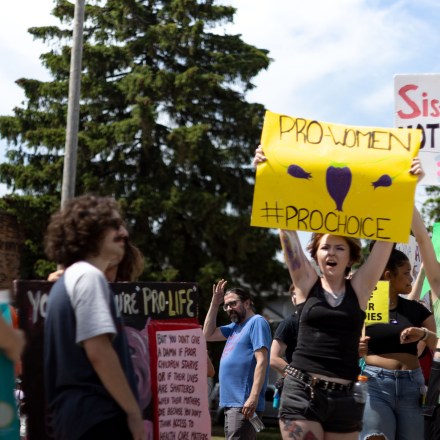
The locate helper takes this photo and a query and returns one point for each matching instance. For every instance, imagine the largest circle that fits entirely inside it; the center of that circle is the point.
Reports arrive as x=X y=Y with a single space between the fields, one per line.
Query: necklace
x=393 y=319
x=333 y=299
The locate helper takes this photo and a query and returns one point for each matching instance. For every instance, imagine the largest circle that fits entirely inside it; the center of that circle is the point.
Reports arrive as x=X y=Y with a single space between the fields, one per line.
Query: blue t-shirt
x=237 y=364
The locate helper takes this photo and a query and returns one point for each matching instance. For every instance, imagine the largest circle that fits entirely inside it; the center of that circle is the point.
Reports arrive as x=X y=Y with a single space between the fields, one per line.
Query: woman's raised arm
x=301 y=270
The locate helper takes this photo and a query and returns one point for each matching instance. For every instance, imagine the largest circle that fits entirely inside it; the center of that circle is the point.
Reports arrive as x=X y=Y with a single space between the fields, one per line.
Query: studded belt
x=316 y=382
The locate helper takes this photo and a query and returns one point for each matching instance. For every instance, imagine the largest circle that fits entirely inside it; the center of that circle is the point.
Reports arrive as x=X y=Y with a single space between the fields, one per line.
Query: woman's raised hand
x=259 y=156
x=416 y=169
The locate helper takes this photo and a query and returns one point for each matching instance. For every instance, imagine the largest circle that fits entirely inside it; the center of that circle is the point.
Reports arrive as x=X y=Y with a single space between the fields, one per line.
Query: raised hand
x=259 y=156
x=218 y=292
x=417 y=169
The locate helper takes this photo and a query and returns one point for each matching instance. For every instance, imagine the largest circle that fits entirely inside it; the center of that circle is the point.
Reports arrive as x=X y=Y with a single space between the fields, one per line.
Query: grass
x=269 y=433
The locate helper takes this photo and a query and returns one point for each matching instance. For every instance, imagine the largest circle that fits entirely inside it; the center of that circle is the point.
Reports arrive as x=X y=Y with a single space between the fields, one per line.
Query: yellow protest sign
x=336 y=179
x=379 y=304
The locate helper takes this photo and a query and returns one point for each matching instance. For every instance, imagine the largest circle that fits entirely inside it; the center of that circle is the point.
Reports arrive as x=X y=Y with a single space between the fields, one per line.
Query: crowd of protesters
x=91 y=385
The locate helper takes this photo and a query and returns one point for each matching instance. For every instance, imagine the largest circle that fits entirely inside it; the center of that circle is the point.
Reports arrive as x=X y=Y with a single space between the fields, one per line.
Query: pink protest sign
x=179 y=380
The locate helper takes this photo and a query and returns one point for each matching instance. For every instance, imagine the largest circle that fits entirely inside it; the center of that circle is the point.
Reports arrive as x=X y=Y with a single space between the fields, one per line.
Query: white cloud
x=333 y=60
x=19 y=52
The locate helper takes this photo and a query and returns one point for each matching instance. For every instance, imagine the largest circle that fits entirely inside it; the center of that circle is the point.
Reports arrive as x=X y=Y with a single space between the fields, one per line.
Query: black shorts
x=336 y=411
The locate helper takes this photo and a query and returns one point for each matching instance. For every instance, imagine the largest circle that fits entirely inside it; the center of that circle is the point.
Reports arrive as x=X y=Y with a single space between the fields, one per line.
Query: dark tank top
x=328 y=338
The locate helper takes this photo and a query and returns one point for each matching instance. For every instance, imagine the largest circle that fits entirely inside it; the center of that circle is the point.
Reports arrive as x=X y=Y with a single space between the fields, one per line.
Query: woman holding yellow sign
x=318 y=401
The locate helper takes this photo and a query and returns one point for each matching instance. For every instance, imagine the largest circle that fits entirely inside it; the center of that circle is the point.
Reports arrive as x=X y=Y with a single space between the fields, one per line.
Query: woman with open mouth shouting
x=318 y=402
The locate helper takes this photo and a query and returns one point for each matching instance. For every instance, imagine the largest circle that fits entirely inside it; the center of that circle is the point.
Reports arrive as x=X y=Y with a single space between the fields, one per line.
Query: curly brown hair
x=132 y=265
x=75 y=231
x=354 y=245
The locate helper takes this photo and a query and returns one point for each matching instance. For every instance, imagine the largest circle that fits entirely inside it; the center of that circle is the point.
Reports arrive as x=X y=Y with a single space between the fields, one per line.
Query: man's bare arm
x=210 y=329
x=105 y=362
x=262 y=358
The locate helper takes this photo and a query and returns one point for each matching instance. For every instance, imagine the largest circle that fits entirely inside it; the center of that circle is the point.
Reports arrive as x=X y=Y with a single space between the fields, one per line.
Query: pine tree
x=164 y=127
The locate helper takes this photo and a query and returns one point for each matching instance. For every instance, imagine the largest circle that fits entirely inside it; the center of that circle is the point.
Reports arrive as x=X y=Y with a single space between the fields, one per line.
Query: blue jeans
x=393 y=404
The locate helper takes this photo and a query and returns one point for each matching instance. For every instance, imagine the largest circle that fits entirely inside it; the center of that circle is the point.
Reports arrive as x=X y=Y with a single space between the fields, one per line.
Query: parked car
x=270 y=415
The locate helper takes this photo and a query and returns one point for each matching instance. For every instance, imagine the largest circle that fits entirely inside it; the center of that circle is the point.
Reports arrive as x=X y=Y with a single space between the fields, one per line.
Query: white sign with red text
x=417 y=105
x=182 y=385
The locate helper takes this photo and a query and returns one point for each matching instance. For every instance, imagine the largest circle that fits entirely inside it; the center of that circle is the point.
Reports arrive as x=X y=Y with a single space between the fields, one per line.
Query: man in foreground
x=89 y=380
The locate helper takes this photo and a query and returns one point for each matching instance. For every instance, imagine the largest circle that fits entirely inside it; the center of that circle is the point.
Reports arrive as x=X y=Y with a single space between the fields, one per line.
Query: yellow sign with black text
x=379 y=305
x=336 y=179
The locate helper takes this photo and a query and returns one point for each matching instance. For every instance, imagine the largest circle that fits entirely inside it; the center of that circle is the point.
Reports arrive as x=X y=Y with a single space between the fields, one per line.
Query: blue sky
x=332 y=61
x=335 y=61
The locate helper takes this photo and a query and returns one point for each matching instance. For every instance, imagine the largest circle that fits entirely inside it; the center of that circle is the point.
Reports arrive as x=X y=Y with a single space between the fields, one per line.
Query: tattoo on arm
x=292 y=252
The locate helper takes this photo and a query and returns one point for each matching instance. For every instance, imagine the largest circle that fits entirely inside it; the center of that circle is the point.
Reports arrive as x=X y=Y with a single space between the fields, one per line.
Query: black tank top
x=328 y=338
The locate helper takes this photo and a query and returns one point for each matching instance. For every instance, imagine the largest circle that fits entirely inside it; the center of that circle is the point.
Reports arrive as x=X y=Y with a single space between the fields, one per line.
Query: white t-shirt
x=89 y=294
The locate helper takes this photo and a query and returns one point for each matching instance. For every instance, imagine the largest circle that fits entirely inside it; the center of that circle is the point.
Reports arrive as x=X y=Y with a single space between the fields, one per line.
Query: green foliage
x=32 y=214
x=43 y=268
x=164 y=127
x=431 y=207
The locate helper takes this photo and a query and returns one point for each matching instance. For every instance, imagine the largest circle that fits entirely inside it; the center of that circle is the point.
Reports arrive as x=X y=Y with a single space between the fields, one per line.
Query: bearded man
x=244 y=363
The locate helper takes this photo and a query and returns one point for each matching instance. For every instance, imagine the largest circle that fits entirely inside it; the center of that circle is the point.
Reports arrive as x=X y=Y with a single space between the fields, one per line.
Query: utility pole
x=70 y=153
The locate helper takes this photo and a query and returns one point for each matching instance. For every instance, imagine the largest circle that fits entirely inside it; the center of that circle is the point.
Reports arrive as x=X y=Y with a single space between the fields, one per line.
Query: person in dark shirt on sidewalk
x=285 y=338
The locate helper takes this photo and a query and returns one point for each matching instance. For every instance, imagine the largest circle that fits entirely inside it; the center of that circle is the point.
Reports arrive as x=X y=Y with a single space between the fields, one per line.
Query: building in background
x=10 y=244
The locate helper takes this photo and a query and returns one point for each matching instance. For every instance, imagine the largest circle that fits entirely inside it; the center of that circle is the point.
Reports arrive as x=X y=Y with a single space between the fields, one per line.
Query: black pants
x=115 y=428
x=432 y=416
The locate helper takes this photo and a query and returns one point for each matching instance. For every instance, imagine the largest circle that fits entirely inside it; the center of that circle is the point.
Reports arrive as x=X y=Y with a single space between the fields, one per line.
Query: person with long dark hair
x=393 y=410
